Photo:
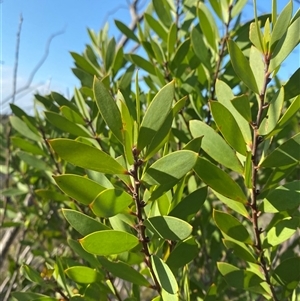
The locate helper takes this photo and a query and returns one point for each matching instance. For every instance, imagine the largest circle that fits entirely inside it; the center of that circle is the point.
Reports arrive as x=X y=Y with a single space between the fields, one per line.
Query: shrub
x=173 y=181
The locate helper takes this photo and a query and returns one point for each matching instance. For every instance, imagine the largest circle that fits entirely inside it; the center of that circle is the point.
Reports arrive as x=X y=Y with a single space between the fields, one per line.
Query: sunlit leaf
x=110 y=202
x=164 y=275
x=170 y=168
x=108 y=109
x=82 y=274
x=169 y=227
x=86 y=156
x=228 y=127
x=286 y=154
x=231 y=226
x=82 y=223
x=152 y=121
x=219 y=180
x=241 y=66
x=108 y=242
x=123 y=271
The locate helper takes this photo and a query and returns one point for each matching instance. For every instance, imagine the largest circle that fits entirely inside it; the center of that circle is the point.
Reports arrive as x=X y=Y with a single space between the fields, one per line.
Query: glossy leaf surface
x=108 y=109
x=169 y=227
x=110 y=202
x=82 y=223
x=108 y=242
x=152 y=121
x=215 y=146
x=219 y=180
x=82 y=189
x=82 y=274
x=83 y=155
x=170 y=168
x=231 y=227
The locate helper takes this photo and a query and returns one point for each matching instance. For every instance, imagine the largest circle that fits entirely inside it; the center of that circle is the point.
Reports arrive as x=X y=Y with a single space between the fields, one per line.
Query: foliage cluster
x=177 y=181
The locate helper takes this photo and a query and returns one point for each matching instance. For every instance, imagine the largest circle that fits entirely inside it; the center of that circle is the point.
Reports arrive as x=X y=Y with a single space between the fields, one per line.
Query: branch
x=135 y=19
x=17 y=60
x=35 y=69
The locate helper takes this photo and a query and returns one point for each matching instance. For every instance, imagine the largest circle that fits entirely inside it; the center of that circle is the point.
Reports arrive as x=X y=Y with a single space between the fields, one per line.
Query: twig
x=218 y=67
x=254 y=192
x=135 y=19
x=36 y=68
x=140 y=204
x=17 y=60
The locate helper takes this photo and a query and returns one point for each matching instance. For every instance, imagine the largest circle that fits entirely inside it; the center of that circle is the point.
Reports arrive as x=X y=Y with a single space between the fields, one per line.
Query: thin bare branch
x=36 y=68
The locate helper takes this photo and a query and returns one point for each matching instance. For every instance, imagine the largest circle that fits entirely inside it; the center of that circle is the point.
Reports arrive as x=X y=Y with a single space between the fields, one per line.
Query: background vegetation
x=171 y=174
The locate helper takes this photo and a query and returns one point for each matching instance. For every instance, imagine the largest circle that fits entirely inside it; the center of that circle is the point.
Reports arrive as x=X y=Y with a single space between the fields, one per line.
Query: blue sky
x=43 y=18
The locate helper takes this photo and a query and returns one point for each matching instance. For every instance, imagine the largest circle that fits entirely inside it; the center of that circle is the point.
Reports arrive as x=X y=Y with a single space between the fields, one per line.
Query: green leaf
x=126 y=31
x=286 y=272
x=254 y=36
x=85 y=64
x=81 y=104
x=26 y=296
x=285 y=45
x=110 y=54
x=108 y=242
x=208 y=26
x=82 y=274
x=190 y=205
x=83 y=223
x=82 y=189
x=124 y=271
x=66 y=125
x=199 y=47
x=237 y=7
x=162 y=10
x=282 y=24
x=291 y=87
x=241 y=66
x=162 y=134
x=72 y=116
x=156 y=27
x=86 y=156
x=110 y=202
x=181 y=53
x=31 y=274
x=215 y=146
x=21 y=127
x=33 y=161
x=281 y=232
x=77 y=248
x=12 y=191
x=236 y=206
x=240 y=250
x=242 y=105
x=237 y=278
x=142 y=63
x=273 y=114
x=184 y=252
x=51 y=195
x=286 y=154
x=228 y=127
x=27 y=146
x=170 y=168
x=226 y=98
x=164 y=275
x=287 y=117
x=219 y=180
x=282 y=198
x=108 y=109
x=172 y=37
x=257 y=66
x=152 y=121
x=169 y=227
x=231 y=226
